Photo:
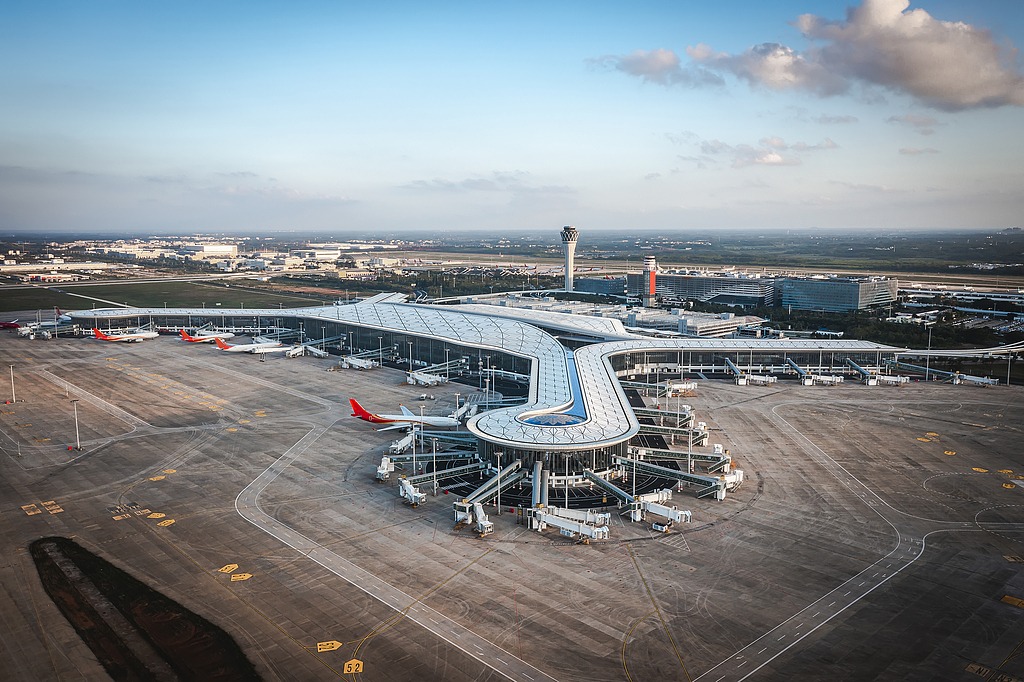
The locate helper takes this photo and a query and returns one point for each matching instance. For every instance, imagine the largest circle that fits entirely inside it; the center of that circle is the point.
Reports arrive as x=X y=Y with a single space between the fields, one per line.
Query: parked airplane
x=204 y=337
x=400 y=421
x=13 y=324
x=129 y=337
x=265 y=347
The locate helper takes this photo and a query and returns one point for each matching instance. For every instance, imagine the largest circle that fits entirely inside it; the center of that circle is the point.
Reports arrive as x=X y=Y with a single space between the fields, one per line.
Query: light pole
x=928 y=358
x=446 y=364
x=433 y=451
x=380 y=349
x=78 y=440
x=456 y=411
x=410 y=359
x=14 y=398
x=498 y=454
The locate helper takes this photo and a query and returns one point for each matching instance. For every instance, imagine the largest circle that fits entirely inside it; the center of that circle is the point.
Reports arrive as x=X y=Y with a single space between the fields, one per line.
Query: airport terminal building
x=575 y=415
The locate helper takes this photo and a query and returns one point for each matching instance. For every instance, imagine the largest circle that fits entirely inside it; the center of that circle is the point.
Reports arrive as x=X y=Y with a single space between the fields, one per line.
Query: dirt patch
x=134 y=631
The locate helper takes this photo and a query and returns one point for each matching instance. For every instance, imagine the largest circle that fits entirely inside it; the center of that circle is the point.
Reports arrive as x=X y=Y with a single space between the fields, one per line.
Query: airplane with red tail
x=400 y=421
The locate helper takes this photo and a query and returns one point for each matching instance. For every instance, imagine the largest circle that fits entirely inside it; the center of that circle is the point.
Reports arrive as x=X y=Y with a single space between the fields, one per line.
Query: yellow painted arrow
x=329 y=645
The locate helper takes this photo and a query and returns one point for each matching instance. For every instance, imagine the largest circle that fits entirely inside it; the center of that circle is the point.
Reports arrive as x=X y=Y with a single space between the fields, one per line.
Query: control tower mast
x=569 y=237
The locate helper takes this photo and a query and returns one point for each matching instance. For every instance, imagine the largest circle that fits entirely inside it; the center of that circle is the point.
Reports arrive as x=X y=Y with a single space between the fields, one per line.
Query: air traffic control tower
x=569 y=237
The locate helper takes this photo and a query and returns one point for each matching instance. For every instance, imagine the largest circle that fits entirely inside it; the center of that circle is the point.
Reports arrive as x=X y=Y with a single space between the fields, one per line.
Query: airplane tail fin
x=185 y=336
x=220 y=344
x=358 y=410
x=99 y=335
x=406 y=411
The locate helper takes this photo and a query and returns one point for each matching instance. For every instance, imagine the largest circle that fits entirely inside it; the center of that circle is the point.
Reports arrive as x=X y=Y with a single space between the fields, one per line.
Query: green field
x=147 y=295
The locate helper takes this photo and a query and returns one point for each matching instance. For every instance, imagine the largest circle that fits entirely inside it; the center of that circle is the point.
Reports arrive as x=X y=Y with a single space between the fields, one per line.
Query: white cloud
x=658 y=66
x=923 y=125
x=834 y=120
x=771 y=151
x=947 y=65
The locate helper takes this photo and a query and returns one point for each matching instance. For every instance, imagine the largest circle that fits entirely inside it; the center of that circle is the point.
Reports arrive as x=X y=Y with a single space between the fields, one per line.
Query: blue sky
x=375 y=117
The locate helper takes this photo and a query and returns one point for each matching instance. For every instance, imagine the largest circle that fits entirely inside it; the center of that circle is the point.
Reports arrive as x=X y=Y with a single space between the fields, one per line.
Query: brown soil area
x=134 y=631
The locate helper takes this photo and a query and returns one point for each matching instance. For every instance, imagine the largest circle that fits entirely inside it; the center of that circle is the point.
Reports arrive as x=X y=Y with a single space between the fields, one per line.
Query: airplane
x=400 y=421
x=204 y=337
x=13 y=324
x=267 y=347
x=128 y=337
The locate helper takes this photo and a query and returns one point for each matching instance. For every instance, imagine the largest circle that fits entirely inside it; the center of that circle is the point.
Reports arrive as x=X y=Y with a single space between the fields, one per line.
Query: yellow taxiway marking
x=121 y=517
x=950 y=452
x=231 y=429
x=156 y=515
x=236 y=577
x=932 y=434
x=157 y=478
x=924 y=440
x=329 y=645
x=243 y=421
x=31 y=509
x=170 y=471
x=1007 y=599
x=166 y=522
x=1006 y=471
x=1014 y=558
x=260 y=413
x=1009 y=486
x=979 y=470
x=352 y=666
x=230 y=568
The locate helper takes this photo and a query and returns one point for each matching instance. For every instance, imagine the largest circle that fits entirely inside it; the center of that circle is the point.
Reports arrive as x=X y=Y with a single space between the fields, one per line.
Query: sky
x=129 y=117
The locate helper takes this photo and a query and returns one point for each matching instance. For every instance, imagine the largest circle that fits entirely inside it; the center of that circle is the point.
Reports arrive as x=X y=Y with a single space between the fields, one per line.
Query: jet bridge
x=700 y=437
x=711 y=485
x=570 y=522
x=683 y=418
x=442 y=474
x=641 y=505
x=805 y=378
x=504 y=479
x=867 y=377
x=719 y=460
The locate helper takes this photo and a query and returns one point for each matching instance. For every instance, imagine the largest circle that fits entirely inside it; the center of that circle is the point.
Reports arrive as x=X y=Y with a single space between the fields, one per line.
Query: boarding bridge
x=641 y=505
x=712 y=485
x=683 y=418
x=955 y=378
x=456 y=437
x=568 y=522
x=428 y=456
x=699 y=438
x=867 y=377
x=443 y=474
x=432 y=375
x=805 y=378
x=506 y=477
x=717 y=461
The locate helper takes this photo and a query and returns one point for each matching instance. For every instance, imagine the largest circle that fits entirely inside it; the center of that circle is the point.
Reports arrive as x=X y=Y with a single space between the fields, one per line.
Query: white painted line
x=763 y=650
x=832 y=603
x=527 y=676
x=501 y=661
x=742 y=664
x=720 y=678
x=781 y=638
x=799 y=626
x=816 y=615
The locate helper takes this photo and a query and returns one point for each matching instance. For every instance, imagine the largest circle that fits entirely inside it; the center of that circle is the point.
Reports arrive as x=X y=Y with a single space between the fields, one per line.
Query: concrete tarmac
x=876 y=536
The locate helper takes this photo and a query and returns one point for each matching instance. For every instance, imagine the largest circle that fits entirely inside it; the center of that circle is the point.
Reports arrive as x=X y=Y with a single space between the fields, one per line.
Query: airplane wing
x=397 y=425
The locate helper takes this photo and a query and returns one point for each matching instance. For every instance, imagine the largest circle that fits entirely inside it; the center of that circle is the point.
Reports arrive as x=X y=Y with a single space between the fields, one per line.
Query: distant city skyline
x=659 y=116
